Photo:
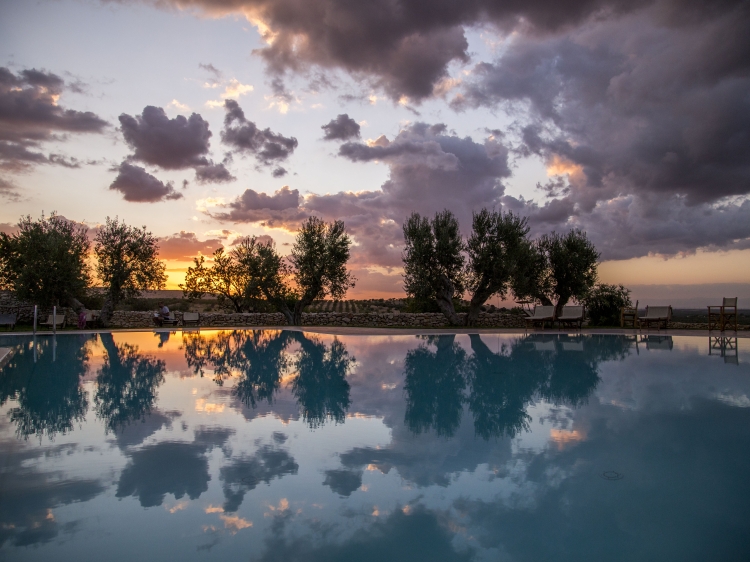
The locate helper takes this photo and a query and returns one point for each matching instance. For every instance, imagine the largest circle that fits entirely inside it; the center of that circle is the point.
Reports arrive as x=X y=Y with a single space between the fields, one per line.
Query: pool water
x=288 y=445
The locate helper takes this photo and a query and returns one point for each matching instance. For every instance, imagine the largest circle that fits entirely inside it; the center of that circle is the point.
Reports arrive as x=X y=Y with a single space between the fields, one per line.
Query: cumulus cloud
x=137 y=185
x=213 y=173
x=246 y=138
x=185 y=246
x=30 y=114
x=278 y=209
x=341 y=128
x=172 y=144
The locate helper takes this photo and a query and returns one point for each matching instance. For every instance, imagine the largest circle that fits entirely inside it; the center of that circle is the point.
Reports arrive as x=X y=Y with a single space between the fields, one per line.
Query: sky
x=208 y=120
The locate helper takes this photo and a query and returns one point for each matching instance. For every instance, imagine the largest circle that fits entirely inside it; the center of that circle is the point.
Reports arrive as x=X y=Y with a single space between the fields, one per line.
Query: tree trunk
x=480 y=297
x=445 y=301
x=108 y=308
x=562 y=301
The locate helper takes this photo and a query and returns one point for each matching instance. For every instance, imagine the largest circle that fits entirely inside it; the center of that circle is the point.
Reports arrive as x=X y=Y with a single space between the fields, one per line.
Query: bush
x=603 y=304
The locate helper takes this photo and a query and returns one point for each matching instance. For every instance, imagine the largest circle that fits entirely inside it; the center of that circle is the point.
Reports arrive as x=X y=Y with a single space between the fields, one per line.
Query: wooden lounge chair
x=59 y=320
x=92 y=318
x=8 y=320
x=191 y=318
x=719 y=317
x=656 y=314
x=571 y=315
x=541 y=314
x=629 y=315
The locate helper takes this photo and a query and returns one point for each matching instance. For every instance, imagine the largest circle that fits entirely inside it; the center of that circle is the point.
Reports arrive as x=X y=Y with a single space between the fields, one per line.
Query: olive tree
x=315 y=269
x=433 y=262
x=45 y=261
x=559 y=267
x=227 y=278
x=496 y=245
x=127 y=264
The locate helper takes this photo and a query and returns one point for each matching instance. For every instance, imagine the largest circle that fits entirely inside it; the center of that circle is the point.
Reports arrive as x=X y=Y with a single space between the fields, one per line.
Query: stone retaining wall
x=123 y=319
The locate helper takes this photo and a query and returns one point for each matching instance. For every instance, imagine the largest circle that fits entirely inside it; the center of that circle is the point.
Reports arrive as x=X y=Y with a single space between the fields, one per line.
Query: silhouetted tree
x=316 y=268
x=127 y=264
x=604 y=303
x=433 y=262
x=45 y=261
x=496 y=245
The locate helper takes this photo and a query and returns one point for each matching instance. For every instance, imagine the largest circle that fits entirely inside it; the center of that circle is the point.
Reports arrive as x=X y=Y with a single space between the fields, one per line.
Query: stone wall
x=123 y=319
x=25 y=312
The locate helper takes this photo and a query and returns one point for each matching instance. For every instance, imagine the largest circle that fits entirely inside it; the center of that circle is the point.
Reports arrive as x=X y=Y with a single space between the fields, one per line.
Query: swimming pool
x=286 y=445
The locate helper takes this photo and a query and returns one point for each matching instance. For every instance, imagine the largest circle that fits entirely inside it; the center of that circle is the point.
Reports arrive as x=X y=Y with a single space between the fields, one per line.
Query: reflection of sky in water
x=283 y=446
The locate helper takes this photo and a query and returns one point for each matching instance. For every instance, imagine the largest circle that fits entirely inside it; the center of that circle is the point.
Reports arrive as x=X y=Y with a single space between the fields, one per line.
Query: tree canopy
x=45 y=261
x=434 y=262
x=127 y=263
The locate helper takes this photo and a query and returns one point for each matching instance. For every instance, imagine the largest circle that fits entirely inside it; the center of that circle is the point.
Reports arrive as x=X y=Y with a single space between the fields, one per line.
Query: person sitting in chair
x=161 y=315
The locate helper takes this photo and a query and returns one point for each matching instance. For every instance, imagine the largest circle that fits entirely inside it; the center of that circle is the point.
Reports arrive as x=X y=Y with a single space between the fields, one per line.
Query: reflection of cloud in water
x=244 y=473
x=343 y=482
x=415 y=536
x=137 y=432
x=171 y=468
x=29 y=495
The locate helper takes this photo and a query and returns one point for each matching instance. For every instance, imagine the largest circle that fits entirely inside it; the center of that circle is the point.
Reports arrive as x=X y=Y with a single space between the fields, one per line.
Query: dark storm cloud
x=172 y=144
x=246 y=138
x=30 y=114
x=279 y=172
x=137 y=185
x=430 y=170
x=341 y=128
x=185 y=246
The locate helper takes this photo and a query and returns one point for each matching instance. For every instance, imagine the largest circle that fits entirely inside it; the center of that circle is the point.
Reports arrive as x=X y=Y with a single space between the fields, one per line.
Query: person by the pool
x=160 y=316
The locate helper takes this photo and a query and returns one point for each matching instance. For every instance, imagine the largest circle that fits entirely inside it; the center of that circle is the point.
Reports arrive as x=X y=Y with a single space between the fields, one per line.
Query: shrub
x=603 y=304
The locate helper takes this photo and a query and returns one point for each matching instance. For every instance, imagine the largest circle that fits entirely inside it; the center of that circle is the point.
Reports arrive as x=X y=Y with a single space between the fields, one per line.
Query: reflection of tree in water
x=434 y=386
x=502 y=384
x=49 y=394
x=126 y=384
x=257 y=358
x=320 y=386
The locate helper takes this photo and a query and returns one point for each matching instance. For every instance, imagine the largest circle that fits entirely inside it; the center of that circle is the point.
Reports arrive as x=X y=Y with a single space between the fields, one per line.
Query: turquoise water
x=282 y=445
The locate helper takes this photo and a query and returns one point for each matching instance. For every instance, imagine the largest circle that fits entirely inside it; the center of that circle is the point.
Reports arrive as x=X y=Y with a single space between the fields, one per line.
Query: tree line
x=47 y=262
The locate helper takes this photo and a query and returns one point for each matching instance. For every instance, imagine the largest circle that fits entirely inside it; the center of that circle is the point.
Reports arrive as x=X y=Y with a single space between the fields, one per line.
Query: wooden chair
x=629 y=315
x=191 y=318
x=59 y=320
x=719 y=317
x=169 y=320
x=656 y=314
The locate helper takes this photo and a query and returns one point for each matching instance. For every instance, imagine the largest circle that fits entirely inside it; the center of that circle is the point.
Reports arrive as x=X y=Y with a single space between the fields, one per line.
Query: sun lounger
x=8 y=320
x=191 y=318
x=656 y=314
x=59 y=320
x=541 y=314
x=719 y=317
x=571 y=315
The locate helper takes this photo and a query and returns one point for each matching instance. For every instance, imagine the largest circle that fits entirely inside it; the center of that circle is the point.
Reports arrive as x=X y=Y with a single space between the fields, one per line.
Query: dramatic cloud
x=246 y=138
x=405 y=48
x=430 y=170
x=341 y=128
x=172 y=144
x=30 y=115
x=185 y=246
x=137 y=185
